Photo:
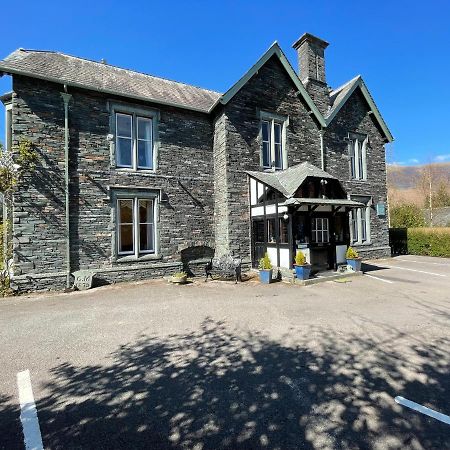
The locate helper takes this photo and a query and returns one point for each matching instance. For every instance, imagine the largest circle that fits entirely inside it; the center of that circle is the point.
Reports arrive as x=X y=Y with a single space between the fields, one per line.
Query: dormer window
x=273 y=153
x=357 y=150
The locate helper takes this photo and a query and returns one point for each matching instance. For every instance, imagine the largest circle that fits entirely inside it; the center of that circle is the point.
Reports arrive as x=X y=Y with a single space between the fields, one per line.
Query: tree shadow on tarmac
x=215 y=388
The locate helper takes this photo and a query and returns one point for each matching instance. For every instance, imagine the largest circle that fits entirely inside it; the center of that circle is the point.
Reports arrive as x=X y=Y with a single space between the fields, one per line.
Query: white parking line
x=415 y=270
x=423 y=409
x=28 y=413
x=379 y=279
x=424 y=262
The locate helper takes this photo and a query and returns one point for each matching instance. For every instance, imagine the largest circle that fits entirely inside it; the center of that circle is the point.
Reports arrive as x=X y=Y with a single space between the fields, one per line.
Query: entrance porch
x=302 y=208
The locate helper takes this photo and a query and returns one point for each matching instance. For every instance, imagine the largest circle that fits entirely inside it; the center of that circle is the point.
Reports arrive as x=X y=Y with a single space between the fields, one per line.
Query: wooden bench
x=226 y=266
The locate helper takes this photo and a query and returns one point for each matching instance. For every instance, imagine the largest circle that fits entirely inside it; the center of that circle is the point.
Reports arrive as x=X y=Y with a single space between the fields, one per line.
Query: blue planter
x=265 y=276
x=302 y=272
x=355 y=263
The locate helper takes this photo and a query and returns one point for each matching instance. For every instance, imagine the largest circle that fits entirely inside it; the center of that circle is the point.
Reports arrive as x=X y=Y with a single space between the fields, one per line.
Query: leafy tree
x=407 y=215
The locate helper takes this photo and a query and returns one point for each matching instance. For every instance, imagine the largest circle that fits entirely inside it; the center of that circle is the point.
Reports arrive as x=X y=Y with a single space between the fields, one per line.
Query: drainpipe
x=66 y=99
x=322 y=150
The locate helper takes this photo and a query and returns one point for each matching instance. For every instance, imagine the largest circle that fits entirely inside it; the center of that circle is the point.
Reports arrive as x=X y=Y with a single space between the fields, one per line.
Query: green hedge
x=429 y=241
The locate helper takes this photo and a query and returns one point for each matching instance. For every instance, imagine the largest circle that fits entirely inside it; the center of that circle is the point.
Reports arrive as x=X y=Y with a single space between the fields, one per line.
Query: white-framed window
x=357 y=151
x=273 y=152
x=134 y=141
x=360 y=221
x=320 y=231
x=8 y=126
x=136 y=226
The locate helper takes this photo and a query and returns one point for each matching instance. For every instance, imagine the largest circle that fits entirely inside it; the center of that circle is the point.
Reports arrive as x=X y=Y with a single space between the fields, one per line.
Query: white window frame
x=8 y=127
x=273 y=120
x=316 y=231
x=136 y=199
x=357 y=152
x=362 y=217
x=135 y=112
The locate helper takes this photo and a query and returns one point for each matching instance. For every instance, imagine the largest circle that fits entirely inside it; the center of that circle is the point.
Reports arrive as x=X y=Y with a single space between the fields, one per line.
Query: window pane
x=144 y=126
x=265 y=131
x=145 y=211
x=325 y=236
x=283 y=231
x=266 y=154
x=126 y=239
x=125 y=211
x=278 y=156
x=271 y=230
x=258 y=230
x=319 y=224
x=277 y=130
x=124 y=149
x=146 y=237
x=123 y=124
x=145 y=158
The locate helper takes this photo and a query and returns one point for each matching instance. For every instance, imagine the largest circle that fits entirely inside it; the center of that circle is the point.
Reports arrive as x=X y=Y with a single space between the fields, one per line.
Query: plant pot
x=179 y=280
x=302 y=272
x=265 y=276
x=355 y=264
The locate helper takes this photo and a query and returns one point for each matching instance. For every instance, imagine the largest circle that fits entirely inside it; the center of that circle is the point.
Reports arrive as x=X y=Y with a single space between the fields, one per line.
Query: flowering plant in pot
x=302 y=268
x=179 y=278
x=265 y=269
x=353 y=259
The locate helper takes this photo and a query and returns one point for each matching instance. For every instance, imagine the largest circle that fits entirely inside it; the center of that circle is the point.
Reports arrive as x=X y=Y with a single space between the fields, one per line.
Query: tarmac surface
x=219 y=365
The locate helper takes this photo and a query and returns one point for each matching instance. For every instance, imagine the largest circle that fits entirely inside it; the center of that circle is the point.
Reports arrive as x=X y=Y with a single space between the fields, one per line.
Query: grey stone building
x=138 y=175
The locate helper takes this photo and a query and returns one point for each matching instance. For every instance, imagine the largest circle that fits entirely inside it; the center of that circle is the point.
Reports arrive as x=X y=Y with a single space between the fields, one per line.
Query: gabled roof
x=83 y=73
x=340 y=95
x=274 y=49
x=288 y=181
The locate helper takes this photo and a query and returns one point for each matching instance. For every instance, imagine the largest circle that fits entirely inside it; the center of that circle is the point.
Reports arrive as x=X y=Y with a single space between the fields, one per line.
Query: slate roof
x=338 y=95
x=288 y=181
x=62 y=68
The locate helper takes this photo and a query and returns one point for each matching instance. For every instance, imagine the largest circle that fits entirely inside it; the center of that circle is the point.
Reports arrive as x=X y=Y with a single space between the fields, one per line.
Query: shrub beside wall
x=429 y=241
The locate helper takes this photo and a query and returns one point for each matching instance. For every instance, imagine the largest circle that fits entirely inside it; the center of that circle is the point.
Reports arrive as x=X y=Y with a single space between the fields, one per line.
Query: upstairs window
x=272 y=147
x=357 y=144
x=134 y=141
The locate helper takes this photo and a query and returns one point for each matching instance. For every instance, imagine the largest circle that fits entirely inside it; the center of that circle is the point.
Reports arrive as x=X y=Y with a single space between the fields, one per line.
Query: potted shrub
x=302 y=268
x=353 y=259
x=265 y=269
x=179 y=278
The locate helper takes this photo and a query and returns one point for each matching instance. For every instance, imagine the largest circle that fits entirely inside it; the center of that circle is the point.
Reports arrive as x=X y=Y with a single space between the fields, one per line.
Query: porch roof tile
x=288 y=181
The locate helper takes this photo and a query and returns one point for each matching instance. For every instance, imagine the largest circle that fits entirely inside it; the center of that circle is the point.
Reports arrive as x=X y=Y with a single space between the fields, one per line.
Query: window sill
x=134 y=258
x=362 y=244
x=135 y=171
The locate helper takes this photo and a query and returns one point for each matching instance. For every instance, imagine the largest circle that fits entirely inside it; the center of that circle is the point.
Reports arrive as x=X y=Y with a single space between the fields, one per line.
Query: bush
x=407 y=215
x=351 y=253
x=429 y=241
x=264 y=263
x=300 y=259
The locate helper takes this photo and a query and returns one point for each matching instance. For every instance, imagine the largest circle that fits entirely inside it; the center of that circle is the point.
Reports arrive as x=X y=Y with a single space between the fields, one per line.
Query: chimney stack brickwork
x=311 y=62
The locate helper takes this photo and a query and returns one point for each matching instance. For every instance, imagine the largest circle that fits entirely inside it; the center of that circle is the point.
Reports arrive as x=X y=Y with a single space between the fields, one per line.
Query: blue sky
x=401 y=48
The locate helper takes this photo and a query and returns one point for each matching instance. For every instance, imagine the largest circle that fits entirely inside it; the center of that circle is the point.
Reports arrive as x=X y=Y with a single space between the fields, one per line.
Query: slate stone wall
x=354 y=116
x=184 y=177
x=272 y=91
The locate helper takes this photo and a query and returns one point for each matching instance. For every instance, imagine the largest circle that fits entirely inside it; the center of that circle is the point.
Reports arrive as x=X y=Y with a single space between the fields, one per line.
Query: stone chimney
x=311 y=63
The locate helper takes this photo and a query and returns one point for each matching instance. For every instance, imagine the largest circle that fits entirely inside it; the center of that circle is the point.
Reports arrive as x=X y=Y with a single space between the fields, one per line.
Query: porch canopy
x=338 y=202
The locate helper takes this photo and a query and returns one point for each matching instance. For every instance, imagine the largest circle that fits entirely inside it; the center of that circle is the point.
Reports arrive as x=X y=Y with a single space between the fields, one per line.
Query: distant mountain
x=406 y=177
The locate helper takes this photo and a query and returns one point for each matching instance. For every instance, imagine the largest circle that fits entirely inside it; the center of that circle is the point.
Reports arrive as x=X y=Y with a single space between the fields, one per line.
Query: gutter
x=66 y=99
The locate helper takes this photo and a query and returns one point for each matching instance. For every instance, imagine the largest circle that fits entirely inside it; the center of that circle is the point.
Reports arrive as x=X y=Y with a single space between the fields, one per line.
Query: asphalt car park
x=240 y=366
